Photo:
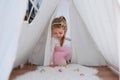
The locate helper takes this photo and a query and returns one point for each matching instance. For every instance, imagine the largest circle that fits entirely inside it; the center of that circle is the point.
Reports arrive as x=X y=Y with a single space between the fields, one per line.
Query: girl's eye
x=60 y=33
x=55 y=33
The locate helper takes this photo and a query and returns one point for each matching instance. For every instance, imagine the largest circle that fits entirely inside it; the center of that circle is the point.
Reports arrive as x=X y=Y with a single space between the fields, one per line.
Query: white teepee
x=92 y=26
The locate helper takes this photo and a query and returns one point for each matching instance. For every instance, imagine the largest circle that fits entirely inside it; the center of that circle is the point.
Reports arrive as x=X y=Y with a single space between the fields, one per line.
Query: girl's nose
x=58 y=35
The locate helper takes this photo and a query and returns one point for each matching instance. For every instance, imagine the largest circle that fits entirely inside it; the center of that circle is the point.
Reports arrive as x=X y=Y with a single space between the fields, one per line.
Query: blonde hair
x=59 y=22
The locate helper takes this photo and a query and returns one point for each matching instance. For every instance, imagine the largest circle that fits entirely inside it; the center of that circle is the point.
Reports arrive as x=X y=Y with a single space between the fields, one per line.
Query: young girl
x=61 y=49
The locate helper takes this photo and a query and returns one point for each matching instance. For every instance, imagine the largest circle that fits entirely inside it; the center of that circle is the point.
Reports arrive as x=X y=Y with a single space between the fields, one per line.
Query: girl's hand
x=52 y=65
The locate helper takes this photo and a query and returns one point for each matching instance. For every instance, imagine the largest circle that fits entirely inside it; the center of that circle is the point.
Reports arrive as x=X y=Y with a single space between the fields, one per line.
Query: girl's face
x=58 y=33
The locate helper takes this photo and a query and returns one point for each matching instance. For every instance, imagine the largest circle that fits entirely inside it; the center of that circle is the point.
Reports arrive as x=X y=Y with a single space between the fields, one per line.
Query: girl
x=61 y=50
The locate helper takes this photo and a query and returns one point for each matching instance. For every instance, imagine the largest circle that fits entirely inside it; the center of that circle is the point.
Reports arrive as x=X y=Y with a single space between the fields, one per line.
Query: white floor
x=69 y=72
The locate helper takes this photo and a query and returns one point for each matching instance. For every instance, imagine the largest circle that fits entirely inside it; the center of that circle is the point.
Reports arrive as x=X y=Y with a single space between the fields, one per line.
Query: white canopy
x=92 y=26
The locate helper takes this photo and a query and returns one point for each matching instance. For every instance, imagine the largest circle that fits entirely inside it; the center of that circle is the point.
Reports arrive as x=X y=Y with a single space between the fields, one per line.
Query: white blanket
x=69 y=72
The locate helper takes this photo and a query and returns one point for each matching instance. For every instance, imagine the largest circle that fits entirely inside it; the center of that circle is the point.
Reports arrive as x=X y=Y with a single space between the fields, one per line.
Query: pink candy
x=81 y=74
x=60 y=70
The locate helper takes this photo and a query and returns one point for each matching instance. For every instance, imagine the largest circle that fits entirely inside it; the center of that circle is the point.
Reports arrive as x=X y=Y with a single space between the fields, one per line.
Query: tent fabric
x=82 y=43
x=116 y=6
x=11 y=18
x=117 y=10
x=93 y=30
x=101 y=25
x=118 y=2
x=34 y=35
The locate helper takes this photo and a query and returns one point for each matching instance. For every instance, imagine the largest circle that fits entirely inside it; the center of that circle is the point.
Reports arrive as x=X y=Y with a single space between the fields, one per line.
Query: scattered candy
x=77 y=69
x=81 y=74
x=66 y=66
x=60 y=70
x=42 y=70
